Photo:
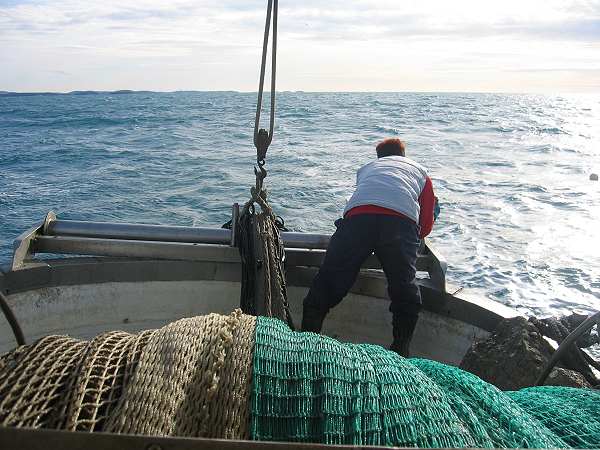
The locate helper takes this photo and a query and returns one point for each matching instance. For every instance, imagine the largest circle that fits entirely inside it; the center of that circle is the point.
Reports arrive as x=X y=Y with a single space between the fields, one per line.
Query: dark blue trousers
x=395 y=242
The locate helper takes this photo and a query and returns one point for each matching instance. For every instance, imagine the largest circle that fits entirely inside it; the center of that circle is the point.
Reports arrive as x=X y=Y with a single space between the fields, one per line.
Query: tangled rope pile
x=263 y=287
x=242 y=377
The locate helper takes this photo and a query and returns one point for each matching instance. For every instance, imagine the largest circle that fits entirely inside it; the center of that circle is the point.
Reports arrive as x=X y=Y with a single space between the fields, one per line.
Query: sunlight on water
x=519 y=214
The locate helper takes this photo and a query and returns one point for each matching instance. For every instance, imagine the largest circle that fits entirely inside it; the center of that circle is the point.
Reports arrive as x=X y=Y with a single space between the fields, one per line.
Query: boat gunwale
x=50 y=273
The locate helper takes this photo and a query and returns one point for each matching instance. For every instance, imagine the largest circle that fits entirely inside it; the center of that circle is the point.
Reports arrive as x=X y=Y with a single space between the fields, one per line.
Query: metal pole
x=140 y=232
x=569 y=340
x=129 y=231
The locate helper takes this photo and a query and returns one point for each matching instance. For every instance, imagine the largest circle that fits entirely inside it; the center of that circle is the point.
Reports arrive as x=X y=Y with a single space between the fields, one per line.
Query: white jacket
x=393 y=182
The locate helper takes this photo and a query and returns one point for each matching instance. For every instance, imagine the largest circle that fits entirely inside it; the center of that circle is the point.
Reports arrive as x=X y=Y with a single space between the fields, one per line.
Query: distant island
x=28 y=94
x=118 y=92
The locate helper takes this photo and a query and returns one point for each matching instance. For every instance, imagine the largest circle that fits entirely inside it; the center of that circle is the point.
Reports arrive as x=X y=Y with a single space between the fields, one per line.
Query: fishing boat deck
x=84 y=278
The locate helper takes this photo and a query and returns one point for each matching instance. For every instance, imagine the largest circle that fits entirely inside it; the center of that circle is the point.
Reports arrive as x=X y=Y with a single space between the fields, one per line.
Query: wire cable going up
x=263 y=290
x=262 y=137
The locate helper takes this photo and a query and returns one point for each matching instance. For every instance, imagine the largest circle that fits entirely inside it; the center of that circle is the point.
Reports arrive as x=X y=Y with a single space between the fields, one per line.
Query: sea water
x=520 y=217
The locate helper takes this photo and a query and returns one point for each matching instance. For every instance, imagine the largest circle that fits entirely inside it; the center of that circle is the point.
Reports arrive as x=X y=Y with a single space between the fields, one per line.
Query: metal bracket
x=24 y=242
x=50 y=217
x=434 y=264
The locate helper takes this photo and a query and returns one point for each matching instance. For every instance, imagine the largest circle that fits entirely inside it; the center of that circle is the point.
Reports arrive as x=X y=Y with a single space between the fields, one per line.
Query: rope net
x=242 y=377
x=190 y=378
x=311 y=388
x=573 y=414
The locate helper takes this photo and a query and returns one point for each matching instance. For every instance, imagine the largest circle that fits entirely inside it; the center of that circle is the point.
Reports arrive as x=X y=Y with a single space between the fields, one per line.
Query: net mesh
x=189 y=378
x=32 y=387
x=571 y=413
x=241 y=377
x=310 y=388
x=193 y=380
x=494 y=420
x=105 y=369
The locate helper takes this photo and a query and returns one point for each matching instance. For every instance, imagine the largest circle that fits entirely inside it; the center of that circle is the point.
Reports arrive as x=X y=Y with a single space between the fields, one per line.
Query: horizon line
x=138 y=91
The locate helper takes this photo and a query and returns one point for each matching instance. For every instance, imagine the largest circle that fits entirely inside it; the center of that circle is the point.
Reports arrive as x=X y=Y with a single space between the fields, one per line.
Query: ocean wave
x=548 y=130
x=508 y=171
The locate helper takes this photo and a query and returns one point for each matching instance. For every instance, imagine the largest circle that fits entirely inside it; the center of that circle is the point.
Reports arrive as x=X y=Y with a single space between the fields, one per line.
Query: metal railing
x=180 y=243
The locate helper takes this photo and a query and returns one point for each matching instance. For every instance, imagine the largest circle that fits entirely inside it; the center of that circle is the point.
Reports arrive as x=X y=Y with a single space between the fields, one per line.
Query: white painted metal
x=86 y=310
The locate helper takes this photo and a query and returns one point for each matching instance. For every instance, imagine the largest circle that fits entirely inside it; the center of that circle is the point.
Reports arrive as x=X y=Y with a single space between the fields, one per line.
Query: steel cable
x=262 y=138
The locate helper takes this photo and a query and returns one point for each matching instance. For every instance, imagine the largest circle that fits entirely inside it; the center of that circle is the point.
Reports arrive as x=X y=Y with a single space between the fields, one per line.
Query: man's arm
x=427 y=205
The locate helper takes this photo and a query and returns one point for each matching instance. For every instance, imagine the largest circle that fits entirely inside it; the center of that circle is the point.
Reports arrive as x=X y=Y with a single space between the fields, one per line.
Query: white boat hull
x=83 y=298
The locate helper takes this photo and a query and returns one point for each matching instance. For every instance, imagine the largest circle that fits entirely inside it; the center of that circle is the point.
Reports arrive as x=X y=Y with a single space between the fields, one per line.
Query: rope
x=262 y=253
x=190 y=378
x=262 y=138
x=263 y=290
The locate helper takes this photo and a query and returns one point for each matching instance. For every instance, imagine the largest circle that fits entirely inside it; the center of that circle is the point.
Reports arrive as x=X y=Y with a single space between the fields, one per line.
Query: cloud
x=399 y=22
x=327 y=38
x=311 y=19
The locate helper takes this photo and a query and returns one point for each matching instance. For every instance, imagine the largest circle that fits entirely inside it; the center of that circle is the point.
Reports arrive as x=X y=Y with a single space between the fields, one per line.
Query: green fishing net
x=493 y=418
x=311 y=388
x=573 y=414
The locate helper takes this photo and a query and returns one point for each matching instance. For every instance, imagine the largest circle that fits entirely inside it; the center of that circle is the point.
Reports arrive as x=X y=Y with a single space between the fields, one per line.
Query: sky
x=545 y=46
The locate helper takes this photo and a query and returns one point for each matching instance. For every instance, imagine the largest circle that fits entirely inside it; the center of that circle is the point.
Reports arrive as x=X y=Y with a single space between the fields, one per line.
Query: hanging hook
x=261 y=142
x=262 y=137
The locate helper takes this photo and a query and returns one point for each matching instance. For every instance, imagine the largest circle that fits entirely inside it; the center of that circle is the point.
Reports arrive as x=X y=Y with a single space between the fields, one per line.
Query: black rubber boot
x=312 y=318
x=404 y=327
